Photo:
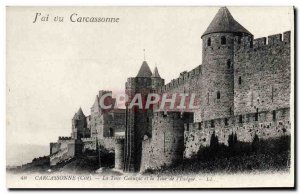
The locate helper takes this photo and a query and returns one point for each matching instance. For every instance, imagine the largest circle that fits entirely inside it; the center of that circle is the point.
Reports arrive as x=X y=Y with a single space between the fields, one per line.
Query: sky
x=55 y=68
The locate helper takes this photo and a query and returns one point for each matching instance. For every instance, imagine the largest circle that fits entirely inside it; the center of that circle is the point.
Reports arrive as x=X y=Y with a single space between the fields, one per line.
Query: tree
x=231 y=140
x=255 y=143
x=235 y=139
x=214 y=141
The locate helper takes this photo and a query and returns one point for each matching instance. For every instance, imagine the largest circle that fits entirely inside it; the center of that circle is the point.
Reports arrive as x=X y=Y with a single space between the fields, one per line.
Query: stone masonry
x=243 y=86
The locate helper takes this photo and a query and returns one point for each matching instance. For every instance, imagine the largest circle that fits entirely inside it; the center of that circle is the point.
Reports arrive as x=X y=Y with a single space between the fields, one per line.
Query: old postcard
x=150 y=97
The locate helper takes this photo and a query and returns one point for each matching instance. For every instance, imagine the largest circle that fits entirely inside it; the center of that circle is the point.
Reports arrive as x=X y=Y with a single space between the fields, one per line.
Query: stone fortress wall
x=263 y=65
x=107 y=143
x=261 y=99
x=64 y=149
x=262 y=72
x=243 y=86
x=111 y=144
x=166 y=146
x=106 y=123
x=187 y=82
x=267 y=124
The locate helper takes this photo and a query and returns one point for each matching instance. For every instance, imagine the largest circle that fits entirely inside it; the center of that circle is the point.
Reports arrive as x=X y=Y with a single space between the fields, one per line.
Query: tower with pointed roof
x=79 y=125
x=217 y=97
x=138 y=121
x=157 y=81
x=240 y=78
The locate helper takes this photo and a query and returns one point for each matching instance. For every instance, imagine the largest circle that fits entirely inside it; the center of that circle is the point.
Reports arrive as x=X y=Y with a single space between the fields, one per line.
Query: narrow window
x=240 y=80
x=251 y=44
x=223 y=40
x=228 y=63
x=226 y=122
x=208 y=42
x=230 y=111
x=272 y=93
x=256 y=115
x=207 y=98
x=240 y=119
x=218 y=95
x=274 y=115
x=212 y=123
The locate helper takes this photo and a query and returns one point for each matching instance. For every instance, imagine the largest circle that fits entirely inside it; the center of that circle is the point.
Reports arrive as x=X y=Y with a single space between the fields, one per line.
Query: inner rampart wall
x=265 y=125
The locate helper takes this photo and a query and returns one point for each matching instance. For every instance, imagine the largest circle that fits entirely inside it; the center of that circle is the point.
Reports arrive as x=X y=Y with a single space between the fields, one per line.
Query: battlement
x=64 y=138
x=104 y=138
x=88 y=139
x=183 y=78
x=272 y=40
x=278 y=115
x=243 y=87
x=263 y=124
x=186 y=116
x=115 y=137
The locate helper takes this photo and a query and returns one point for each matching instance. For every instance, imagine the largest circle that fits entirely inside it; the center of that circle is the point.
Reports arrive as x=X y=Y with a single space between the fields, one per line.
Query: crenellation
x=173 y=83
x=64 y=138
x=259 y=42
x=265 y=127
x=287 y=37
x=242 y=86
x=169 y=86
x=264 y=73
x=192 y=74
x=184 y=78
x=274 y=39
x=114 y=137
x=89 y=139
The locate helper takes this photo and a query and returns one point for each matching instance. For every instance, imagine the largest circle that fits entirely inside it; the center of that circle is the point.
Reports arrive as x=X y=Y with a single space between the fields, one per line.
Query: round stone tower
x=119 y=154
x=217 y=98
x=167 y=142
x=79 y=125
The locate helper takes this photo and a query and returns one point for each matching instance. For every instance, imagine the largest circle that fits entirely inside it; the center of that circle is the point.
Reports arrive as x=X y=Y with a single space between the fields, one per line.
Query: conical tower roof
x=155 y=73
x=96 y=103
x=224 y=22
x=80 y=113
x=144 y=70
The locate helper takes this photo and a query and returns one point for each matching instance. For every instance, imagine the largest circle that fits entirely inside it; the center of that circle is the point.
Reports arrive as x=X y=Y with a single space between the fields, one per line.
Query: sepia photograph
x=108 y=97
